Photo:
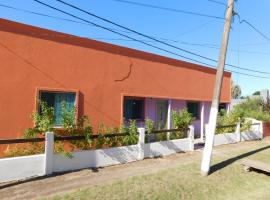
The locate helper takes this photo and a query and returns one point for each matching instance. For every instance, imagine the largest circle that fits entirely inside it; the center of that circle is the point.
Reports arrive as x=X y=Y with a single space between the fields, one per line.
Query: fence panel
x=21 y=167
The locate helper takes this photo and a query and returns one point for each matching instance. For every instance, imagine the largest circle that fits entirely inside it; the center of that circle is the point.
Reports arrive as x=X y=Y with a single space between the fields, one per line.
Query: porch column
x=169 y=117
x=228 y=110
x=202 y=120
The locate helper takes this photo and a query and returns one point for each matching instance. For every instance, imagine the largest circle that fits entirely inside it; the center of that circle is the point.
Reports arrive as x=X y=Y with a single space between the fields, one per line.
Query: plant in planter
x=132 y=137
x=149 y=127
x=232 y=119
x=80 y=127
x=181 y=119
x=43 y=120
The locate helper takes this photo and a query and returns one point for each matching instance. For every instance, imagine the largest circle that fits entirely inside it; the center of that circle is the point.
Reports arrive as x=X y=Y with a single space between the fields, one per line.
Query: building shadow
x=227 y=162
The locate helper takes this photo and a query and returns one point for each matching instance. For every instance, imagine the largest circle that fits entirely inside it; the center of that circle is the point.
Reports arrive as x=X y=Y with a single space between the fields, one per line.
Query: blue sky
x=198 y=34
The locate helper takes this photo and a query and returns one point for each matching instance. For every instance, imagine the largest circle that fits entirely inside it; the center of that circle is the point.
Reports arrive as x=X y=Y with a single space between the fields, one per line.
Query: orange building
x=105 y=81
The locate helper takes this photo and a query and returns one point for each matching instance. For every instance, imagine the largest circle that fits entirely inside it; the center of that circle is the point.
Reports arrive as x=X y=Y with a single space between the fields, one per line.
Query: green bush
x=252 y=108
x=132 y=137
x=44 y=121
x=149 y=125
x=182 y=119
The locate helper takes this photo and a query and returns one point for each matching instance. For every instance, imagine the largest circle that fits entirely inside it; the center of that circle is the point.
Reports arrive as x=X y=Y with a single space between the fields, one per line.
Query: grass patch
x=185 y=182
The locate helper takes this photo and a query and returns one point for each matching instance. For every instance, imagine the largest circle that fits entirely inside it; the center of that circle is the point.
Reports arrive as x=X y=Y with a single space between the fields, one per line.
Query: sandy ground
x=47 y=186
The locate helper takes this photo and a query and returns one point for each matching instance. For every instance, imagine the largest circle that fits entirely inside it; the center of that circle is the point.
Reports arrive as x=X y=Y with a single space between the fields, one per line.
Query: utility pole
x=210 y=131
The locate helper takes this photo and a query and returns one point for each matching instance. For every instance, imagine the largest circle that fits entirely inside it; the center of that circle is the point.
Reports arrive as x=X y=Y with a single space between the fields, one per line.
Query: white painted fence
x=21 y=167
x=255 y=133
x=39 y=165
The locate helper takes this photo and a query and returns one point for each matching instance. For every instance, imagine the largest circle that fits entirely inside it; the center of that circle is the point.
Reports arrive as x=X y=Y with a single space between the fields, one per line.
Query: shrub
x=24 y=149
x=253 y=108
x=44 y=121
x=182 y=119
x=132 y=137
x=149 y=125
x=238 y=114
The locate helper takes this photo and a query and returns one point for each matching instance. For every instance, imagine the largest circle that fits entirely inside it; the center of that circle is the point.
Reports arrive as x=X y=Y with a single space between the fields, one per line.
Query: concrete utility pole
x=210 y=131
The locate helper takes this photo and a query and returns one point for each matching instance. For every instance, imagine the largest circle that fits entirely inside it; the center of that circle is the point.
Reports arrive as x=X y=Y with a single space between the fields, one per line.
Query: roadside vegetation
x=252 y=108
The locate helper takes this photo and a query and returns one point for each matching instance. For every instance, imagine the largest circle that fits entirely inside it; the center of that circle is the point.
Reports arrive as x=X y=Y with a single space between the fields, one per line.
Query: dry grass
x=228 y=181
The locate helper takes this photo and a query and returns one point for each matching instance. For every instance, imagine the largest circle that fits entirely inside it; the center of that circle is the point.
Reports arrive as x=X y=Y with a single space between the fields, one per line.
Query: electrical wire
x=108 y=29
x=139 y=40
x=154 y=39
x=169 y=9
x=121 y=39
x=252 y=26
x=41 y=14
x=218 y=2
x=55 y=17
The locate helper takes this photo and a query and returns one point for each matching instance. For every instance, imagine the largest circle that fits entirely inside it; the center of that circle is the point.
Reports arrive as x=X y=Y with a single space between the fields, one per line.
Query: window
x=221 y=106
x=54 y=99
x=222 y=109
x=133 y=108
x=193 y=108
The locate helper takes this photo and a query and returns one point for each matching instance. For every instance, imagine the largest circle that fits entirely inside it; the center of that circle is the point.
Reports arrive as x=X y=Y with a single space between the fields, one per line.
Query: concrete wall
x=118 y=155
x=96 y=158
x=21 y=167
x=164 y=148
x=30 y=166
x=255 y=133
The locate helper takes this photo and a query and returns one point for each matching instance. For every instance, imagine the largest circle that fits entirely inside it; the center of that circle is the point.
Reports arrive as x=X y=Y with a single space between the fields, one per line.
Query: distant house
x=109 y=83
x=263 y=94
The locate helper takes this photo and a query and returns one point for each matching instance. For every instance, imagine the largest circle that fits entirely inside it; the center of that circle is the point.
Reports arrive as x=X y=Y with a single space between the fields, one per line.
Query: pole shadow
x=227 y=162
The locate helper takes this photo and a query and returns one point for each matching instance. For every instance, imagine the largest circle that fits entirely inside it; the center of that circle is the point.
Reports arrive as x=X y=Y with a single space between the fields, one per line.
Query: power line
x=210 y=46
x=256 y=29
x=55 y=17
x=108 y=29
x=65 y=19
x=121 y=39
x=134 y=31
x=154 y=39
x=218 y=2
x=146 y=43
x=169 y=9
x=250 y=75
x=252 y=26
x=193 y=29
x=78 y=22
x=41 y=14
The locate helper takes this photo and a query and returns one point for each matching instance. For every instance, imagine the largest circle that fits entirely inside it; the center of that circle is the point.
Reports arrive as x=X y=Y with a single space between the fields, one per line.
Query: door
x=161 y=113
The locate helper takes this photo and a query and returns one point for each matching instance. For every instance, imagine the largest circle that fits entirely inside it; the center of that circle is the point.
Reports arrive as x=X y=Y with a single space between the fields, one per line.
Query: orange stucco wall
x=32 y=58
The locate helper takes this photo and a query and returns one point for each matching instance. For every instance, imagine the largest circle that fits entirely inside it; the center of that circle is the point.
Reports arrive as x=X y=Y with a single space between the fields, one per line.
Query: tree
x=257 y=93
x=236 y=91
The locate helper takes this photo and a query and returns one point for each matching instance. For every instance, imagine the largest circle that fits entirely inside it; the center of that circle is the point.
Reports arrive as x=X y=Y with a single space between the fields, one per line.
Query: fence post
x=261 y=129
x=49 y=146
x=191 y=137
x=238 y=131
x=141 y=142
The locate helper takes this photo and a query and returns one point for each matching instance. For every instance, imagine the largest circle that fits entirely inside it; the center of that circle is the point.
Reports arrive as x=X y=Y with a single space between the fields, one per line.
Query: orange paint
x=100 y=73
